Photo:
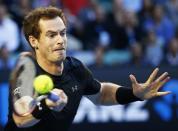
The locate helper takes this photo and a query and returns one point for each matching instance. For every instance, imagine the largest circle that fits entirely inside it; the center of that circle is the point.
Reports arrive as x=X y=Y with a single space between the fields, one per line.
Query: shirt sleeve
x=91 y=85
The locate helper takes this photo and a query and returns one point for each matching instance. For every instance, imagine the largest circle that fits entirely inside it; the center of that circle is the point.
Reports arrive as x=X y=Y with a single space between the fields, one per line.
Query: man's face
x=52 y=42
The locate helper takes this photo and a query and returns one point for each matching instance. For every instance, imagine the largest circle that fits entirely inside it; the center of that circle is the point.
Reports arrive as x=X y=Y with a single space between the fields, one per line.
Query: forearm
x=25 y=121
x=108 y=94
x=27 y=114
x=22 y=112
x=112 y=94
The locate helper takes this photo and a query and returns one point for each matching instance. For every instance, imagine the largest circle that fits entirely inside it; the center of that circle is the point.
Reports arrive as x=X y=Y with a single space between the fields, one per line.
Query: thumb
x=133 y=79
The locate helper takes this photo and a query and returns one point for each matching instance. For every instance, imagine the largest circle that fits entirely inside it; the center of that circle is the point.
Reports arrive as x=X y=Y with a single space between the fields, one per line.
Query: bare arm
x=109 y=94
x=28 y=107
x=26 y=121
x=22 y=106
x=24 y=114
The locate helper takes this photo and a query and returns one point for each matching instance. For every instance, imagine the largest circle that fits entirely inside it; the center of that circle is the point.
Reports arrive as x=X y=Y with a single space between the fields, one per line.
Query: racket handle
x=53 y=97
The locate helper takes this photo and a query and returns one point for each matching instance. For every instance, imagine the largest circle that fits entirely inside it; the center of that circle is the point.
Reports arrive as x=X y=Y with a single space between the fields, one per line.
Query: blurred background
x=113 y=38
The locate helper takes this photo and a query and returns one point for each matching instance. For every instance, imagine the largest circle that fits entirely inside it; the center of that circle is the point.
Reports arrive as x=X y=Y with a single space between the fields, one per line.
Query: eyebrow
x=52 y=31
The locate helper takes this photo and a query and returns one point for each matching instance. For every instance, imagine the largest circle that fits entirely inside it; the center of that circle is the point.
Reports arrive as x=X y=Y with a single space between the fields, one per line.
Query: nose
x=60 y=39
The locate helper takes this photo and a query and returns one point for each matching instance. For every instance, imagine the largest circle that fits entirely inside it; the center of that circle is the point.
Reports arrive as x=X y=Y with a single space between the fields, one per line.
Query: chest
x=73 y=88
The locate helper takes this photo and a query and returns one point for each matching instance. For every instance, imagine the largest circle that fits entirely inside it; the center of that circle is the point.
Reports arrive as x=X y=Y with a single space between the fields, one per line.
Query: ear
x=33 y=42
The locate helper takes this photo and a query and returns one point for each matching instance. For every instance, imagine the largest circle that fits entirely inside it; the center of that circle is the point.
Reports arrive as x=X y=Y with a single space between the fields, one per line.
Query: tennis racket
x=24 y=96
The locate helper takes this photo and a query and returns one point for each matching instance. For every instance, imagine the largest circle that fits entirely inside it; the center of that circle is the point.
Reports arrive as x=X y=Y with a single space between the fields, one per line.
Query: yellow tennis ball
x=43 y=84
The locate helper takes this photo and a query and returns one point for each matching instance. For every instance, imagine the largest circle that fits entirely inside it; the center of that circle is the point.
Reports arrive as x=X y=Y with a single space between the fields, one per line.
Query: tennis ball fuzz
x=43 y=84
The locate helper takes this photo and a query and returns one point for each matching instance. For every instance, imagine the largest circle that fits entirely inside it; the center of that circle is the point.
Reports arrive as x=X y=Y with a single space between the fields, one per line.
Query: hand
x=60 y=104
x=150 y=88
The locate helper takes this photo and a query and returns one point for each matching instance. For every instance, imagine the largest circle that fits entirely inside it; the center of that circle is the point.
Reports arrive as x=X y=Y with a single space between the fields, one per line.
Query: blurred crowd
x=101 y=32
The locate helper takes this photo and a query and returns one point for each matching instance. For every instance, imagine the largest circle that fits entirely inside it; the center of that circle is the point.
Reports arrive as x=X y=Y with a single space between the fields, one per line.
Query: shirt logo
x=75 y=88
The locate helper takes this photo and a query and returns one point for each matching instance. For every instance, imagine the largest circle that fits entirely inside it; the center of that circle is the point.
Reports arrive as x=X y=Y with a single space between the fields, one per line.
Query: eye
x=51 y=35
x=63 y=33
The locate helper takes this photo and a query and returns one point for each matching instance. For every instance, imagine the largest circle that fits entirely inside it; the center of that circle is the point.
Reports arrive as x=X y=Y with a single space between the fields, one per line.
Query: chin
x=61 y=58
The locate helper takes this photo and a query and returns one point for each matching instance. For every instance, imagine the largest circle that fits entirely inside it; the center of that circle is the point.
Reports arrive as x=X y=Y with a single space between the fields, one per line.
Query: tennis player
x=45 y=30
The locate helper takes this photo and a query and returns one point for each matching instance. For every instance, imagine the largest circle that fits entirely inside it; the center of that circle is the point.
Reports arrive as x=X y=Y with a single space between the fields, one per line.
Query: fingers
x=60 y=104
x=162 y=77
x=163 y=82
x=162 y=93
x=133 y=79
x=159 y=82
x=152 y=76
x=61 y=95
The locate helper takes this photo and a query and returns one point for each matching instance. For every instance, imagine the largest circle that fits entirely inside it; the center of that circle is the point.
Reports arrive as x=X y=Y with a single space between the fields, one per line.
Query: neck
x=51 y=67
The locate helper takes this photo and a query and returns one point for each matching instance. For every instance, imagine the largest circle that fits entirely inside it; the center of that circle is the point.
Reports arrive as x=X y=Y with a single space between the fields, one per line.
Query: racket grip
x=53 y=97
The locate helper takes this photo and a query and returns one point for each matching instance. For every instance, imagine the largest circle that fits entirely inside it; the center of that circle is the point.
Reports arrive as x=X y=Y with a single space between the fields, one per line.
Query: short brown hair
x=31 y=21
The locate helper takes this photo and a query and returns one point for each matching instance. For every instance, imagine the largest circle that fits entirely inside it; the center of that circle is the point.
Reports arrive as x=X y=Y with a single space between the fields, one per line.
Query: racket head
x=21 y=84
x=24 y=96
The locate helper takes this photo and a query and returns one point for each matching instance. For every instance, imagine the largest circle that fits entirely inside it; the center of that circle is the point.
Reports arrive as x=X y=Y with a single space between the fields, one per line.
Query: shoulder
x=76 y=67
x=73 y=62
